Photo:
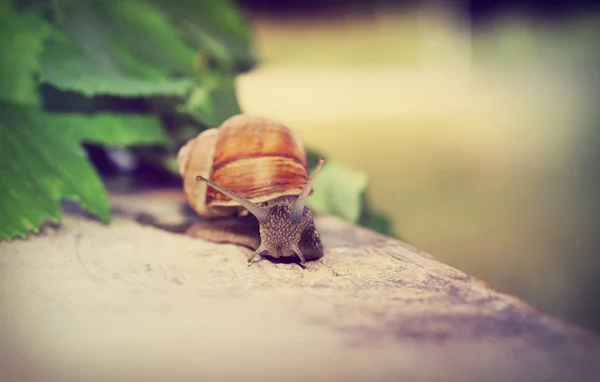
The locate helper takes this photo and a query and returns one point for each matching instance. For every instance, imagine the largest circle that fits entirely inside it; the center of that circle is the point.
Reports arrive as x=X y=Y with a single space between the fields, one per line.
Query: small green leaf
x=376 y=220
x=21 y=39
x=339 y=190
x=369 y=216
x=200 y=106
x=213 y=102
x=42 y=162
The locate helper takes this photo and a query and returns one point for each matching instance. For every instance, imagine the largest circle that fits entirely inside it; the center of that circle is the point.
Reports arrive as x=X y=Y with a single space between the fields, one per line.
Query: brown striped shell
x=255 y=157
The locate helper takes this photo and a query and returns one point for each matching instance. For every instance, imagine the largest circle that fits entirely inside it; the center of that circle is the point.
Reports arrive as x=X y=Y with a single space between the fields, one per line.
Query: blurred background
x=476 y=122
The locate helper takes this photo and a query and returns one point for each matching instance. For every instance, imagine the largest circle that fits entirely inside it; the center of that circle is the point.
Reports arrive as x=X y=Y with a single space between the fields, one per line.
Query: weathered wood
x=133 y=302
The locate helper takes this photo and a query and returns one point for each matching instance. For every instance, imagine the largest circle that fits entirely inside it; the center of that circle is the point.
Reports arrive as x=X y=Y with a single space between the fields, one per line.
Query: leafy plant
x=143 y=74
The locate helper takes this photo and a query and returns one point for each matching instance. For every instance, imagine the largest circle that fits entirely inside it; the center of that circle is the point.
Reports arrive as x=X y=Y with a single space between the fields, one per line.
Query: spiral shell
x=255 y=157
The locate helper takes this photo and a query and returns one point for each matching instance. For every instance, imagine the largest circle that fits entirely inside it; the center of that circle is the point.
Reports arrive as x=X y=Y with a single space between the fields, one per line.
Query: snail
x=254 y=166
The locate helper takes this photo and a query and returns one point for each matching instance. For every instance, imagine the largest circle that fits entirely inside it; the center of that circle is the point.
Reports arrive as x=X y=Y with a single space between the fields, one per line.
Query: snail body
x=258 y=166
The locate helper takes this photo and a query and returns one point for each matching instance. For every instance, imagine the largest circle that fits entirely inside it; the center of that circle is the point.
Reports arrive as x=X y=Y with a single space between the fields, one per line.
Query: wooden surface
x=133 y=302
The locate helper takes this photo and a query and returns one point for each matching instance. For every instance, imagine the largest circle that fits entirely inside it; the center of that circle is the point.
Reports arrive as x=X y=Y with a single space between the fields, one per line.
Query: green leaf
x=21 y=40
x=214 y=101
x=376 y=220
x=214 y=27
x=368 y=216
x=339 y=190
x=67 y=69
x=124 y=48
x=42 y=162
x=146 y=32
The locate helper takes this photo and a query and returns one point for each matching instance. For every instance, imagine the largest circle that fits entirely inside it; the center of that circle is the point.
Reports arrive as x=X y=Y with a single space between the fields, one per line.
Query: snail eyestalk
x=298 y=207
x=259 y=212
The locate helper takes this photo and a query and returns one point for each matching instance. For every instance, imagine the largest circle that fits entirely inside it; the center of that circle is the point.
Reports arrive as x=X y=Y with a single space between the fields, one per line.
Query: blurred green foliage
x=145 y=74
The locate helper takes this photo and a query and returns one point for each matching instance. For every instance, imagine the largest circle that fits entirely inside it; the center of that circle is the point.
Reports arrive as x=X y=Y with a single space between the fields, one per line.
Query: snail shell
x=255 y=157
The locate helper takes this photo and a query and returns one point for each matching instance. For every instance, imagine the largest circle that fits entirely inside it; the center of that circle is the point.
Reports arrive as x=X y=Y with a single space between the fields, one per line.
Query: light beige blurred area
x=470 y=138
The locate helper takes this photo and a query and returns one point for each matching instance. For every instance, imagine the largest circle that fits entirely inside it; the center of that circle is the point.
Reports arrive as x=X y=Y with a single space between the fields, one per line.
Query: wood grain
x=132 y=302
